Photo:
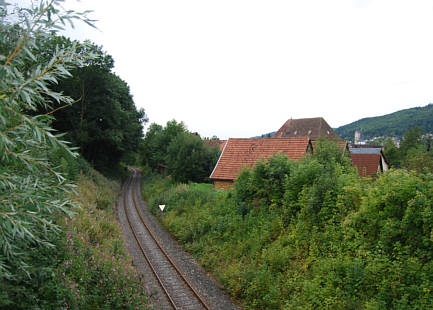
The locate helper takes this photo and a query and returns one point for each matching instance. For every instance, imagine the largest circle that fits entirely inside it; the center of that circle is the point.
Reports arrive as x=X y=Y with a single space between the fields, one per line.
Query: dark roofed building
x=369 y=159
x=314 y=128
x=240 y=153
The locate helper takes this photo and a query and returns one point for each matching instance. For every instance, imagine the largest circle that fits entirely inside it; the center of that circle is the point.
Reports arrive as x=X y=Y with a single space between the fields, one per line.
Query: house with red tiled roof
x=241 y=153
x=369 y=159
x=314 y=128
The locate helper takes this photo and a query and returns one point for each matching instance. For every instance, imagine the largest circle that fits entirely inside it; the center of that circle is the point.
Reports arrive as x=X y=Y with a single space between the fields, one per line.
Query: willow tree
x=32 y=191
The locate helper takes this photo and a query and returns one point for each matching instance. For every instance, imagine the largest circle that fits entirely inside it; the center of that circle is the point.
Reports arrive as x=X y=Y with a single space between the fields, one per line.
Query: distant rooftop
x=365 y=146
x=314 y=128
x=365 y=149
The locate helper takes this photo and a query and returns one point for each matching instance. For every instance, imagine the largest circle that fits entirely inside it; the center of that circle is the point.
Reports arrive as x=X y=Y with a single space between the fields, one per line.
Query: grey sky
x=242 y=68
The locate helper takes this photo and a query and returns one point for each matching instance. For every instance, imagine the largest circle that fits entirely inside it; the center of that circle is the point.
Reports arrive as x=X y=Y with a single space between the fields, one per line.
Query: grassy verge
x=88 y=268
x=96 y=272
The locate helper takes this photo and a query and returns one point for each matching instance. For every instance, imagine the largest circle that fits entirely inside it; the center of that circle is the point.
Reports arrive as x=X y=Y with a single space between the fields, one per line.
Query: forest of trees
x=391 y=125
x=103 y=121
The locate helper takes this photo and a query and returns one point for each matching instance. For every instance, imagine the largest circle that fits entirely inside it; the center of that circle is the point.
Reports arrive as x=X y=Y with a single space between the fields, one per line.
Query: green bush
x=264 y=186
x=36 y=287
x=68 y=165
x=310 y=234
x=189 y=159
x=397 y=213
x=154 y=185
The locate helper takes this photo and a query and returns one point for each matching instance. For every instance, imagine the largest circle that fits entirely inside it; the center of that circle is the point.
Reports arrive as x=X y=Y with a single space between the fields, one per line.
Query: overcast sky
x=240 y=68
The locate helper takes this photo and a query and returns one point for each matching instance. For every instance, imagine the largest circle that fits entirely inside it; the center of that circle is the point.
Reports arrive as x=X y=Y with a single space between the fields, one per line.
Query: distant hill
x=265 y=135
x=390 y=125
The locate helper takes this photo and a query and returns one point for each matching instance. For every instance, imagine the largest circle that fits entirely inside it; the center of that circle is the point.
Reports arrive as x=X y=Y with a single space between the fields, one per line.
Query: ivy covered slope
x=391 y=125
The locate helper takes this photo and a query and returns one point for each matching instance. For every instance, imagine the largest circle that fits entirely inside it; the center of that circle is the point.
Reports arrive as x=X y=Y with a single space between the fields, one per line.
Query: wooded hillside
x=391 y=125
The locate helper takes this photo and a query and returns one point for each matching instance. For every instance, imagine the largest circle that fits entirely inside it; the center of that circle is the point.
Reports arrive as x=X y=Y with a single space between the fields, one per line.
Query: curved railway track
x=179 y=290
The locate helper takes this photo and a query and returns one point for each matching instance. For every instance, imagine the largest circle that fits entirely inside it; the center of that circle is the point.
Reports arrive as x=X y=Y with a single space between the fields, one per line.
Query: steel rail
x=189 y=284
x=162 y=249
x=134 y=233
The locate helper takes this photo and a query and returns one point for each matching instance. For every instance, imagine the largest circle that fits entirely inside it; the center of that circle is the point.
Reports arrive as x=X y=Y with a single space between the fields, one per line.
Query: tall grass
x=96 y=271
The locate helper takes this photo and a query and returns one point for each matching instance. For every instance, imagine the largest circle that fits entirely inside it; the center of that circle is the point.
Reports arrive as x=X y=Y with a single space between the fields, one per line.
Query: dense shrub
x=155 y=184
x=397 y=213
x=414 y=153
x=175 y=151
x=68 y=165
x=36 y=287
x=189 y=159
x=311 y=234
x=264 y=186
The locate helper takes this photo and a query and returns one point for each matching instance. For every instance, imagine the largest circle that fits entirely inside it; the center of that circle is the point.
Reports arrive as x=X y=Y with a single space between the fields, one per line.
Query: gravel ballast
x=206 y=285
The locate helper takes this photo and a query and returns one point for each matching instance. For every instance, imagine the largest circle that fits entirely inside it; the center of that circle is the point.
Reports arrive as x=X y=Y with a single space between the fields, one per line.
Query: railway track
x=179 y=290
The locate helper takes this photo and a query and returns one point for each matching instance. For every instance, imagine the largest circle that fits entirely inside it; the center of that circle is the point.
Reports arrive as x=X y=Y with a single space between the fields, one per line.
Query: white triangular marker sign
x=162 y=207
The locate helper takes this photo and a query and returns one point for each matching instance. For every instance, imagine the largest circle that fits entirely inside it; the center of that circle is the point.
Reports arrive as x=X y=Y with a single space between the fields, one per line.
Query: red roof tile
x=368 y=164
x=239 y=153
